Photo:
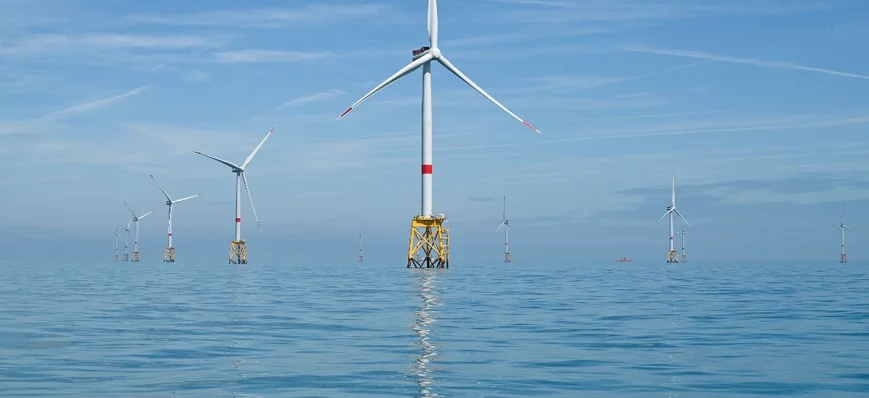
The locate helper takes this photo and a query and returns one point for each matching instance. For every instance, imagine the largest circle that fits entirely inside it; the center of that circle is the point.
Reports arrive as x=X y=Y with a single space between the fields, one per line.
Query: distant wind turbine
x=684 y=256
x=429 y=238
x=115 y=238
x=672 y=255
x=135 y=221
x=238 y=247
x=169 y=253
x=843 y=258
x=506 y=225
x=126 y=245
x=361 y=237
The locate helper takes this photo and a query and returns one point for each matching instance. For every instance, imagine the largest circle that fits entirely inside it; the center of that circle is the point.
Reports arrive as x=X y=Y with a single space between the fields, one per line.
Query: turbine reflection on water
x=421 y=368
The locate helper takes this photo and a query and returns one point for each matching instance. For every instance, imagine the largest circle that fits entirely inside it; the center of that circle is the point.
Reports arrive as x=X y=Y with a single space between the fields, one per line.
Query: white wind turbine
x=684 y=256
x=424 y=57
x=672 y=256
x=169 y=253
x=135 y=221
x=506 y=225
x=843 y=258
x=238 y=248
x=127 y=245
x=361 y=237
x=115 y=238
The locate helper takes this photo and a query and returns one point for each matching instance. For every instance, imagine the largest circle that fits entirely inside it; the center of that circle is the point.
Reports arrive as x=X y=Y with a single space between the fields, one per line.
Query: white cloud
x=52 y=44
x=95 y=104
x=740 y=60
x=312 y=98
x=268 y=18
x=258 y=56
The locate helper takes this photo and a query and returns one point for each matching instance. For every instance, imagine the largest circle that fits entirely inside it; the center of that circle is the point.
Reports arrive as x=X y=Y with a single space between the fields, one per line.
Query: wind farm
x=570 y=113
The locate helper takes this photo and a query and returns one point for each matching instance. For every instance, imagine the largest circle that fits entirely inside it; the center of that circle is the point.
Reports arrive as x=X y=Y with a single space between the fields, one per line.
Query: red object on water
x=624 y=260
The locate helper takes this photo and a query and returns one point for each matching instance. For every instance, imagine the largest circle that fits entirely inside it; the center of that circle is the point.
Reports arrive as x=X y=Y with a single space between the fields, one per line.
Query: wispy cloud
x=741 y=60
x=94 y=104
x=268 y=18
x=312 y=98
x=52 y=44
x=259 y=56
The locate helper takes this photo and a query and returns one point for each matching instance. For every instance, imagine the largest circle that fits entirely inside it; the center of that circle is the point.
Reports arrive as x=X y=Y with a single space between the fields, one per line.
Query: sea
x=636 y=329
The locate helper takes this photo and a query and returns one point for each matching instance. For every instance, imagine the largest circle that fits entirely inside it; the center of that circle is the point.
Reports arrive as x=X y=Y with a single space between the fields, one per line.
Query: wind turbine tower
x=684 y=256
x=506 y=225
x=672 y=255
x=126 y=245
x=429 y=238
x=135 y=221
x=843 y=258
x=361 y=237
x=169 y=253
x=238 y=247
x=115 y=238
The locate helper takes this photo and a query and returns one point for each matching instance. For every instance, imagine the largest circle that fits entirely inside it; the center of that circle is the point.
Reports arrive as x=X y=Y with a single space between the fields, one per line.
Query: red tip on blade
x=273 y=129
x=530 y=126
x=346 y=112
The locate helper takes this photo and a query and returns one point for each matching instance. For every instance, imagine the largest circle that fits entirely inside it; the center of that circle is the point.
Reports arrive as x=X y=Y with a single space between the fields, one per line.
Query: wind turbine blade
x=161 y=188
x=226 y=162
x=683 y=218
x=849 y=229
x=433 y=23
x=252 y=154
x=244 y=179
x=500 y=226
x=187 y=198
x=446 y=63
x=146 y=214
x=398 y=75
x=673 y=198
x=665 y=215
x=131 y=210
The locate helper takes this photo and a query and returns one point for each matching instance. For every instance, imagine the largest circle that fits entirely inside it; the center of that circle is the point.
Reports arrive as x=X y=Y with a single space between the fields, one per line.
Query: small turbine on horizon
x=684 y=256
x=127 y=245
x=115 y=238
x=506 y=225
x=238 y=247
x=136 y=220
x=672 y=255
x=429 y=238
x=361 y=237
x=843 y=258
x=169 y=253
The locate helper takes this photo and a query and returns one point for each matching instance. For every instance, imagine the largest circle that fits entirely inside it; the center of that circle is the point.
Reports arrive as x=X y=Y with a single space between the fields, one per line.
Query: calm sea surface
x=585 y=330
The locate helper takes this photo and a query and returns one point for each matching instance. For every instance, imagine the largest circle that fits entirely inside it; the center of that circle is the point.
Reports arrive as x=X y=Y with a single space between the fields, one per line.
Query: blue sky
x=757 y=106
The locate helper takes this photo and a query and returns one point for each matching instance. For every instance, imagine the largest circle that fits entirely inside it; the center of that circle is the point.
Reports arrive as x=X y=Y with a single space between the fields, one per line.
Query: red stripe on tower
x=170 y=234
x=426 y=169
x=238 y=219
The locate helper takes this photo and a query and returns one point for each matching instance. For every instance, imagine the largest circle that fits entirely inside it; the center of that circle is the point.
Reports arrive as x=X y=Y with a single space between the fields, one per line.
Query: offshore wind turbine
x=843 y=258
x=238 y=247
x=135 y=221
x=684 y=256
x=361 y=237
x=506 y=225
x=429 y=239
x=126 y=245
x=672 y=255
x=115 y=238
x=169 y=253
